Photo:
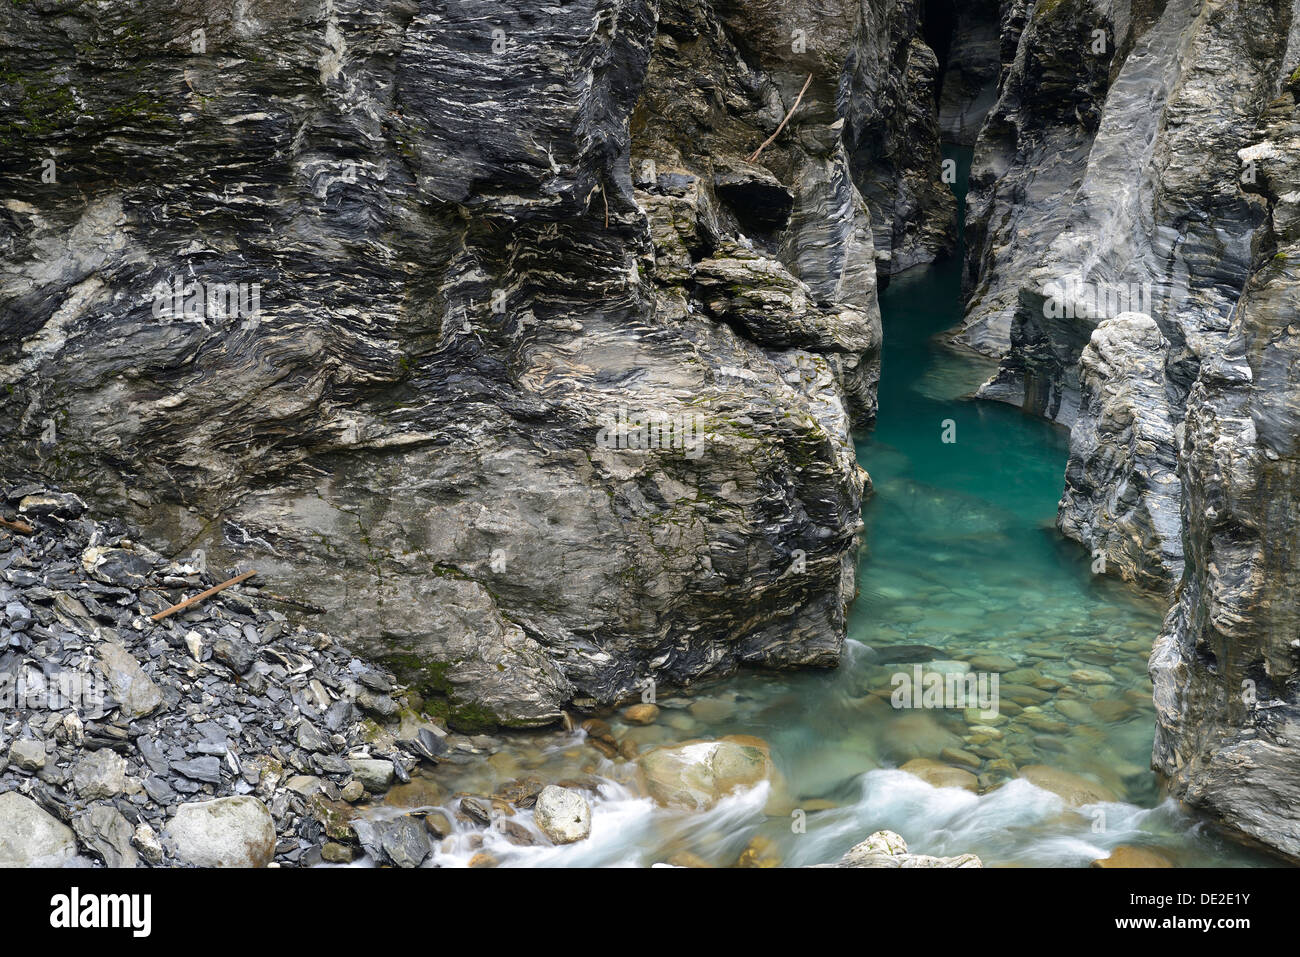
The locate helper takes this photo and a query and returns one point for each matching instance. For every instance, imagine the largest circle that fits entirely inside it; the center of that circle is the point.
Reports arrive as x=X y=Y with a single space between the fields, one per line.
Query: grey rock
x=30 y=837
x=131 y=687
x=1227 y=722
x=310 y=738
x=106 y=832
x=234 y=653
x=1122 y=494
x=401 y=841
x=98 y=775
x=27 y=753
x=206 y=769
x=226 y=832
x=375 y=775
x=886 y=849
x=562 y=815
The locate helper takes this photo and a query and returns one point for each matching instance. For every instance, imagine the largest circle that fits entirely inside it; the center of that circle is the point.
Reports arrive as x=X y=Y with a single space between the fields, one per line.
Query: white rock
x=563 y=815
x=30 y=837
x=227 y=832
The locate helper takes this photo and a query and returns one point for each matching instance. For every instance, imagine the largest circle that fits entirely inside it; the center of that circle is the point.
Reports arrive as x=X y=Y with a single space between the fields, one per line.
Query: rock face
x=227 y=832
x=466 y=371
x=1132 y=219
x=1105 y=181
x=30 y=837
x=1225 y=666
x=1122 y=494
x=972 y=64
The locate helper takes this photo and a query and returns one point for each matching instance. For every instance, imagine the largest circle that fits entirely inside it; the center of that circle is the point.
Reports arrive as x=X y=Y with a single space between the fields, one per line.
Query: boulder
x=562 y=815
x=941 y=775
x=887 y=849
x=1074 y=789
x=697 y=774
x=98 y=775
x=30 y=837
x=1126 y=855
x=226 y=832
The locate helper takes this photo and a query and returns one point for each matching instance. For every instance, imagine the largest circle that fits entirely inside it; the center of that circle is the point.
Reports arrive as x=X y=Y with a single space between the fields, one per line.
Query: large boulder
x=1074 y=789
x=30 y=837
x=696 y=775
x=226 y=832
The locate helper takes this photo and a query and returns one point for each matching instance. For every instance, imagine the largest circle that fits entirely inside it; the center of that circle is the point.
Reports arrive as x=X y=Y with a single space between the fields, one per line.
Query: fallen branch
x=767 y=142
x=22 y=528
x=201 y=596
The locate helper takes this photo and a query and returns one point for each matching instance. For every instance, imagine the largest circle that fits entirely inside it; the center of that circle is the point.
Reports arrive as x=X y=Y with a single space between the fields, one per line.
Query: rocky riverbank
x=221 y=735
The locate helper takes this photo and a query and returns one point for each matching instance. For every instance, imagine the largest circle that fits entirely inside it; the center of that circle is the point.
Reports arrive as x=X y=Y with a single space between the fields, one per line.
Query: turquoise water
x=961 y=559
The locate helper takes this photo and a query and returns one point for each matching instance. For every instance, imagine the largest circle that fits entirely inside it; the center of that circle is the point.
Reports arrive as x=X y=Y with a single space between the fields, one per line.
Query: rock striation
x=484 y=328
x=1131 y=225
x=1225 y=666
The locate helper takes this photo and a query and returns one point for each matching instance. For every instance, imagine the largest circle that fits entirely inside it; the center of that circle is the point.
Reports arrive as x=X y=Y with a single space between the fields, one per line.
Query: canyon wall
x=482 y=329
x=1131 y=219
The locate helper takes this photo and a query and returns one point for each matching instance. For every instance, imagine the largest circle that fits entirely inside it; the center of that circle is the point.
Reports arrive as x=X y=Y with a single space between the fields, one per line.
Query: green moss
x=429 y=680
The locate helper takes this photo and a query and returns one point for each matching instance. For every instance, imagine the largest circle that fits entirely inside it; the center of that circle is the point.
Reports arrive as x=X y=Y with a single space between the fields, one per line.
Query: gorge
x=858 y=253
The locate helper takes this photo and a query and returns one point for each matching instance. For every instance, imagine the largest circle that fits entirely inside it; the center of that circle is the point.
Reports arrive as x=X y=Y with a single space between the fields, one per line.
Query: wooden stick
x=201 y=596
x=22 y=528
x=767 y=142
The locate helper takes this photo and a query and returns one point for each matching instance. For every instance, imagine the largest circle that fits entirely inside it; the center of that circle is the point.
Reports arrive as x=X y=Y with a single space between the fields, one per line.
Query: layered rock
x=1225 y=666
x=972 y=66
x=1131 y=240
x=1122 y=494
x=416 y=306
x=1104 y=182
x=892 y=136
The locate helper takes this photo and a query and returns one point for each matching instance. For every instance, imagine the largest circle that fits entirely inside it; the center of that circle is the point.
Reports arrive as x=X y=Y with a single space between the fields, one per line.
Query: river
x=961 y=568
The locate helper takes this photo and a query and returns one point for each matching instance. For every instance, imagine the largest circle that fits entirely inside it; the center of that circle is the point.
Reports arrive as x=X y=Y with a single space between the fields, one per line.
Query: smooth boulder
x=696 y=775
x=562 y=814
x=226 y=832
x=30 y=837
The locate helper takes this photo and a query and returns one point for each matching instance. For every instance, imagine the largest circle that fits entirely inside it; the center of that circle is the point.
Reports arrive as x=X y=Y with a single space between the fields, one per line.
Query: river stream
x=961 y=568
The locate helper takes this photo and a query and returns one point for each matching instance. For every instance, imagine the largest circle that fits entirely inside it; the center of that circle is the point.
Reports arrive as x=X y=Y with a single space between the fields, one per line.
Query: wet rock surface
x=887 y=849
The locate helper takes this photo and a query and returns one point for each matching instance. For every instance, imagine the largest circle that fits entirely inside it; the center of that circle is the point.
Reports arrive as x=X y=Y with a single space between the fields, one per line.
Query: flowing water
x=961 y=569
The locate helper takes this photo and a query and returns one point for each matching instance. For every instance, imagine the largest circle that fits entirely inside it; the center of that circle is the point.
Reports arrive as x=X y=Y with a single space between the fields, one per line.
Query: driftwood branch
x=22 y=528
x=797 y=100
x=201 y=596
